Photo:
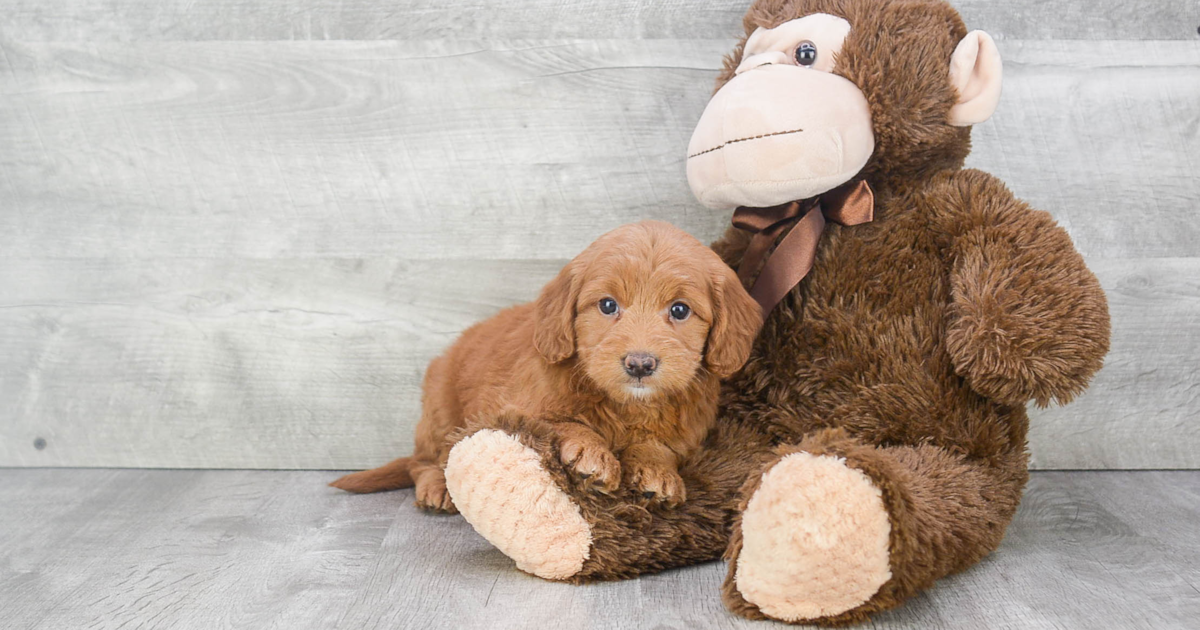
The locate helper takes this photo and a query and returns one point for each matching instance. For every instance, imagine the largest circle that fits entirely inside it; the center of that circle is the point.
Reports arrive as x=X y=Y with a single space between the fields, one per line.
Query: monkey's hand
x=1028 y=319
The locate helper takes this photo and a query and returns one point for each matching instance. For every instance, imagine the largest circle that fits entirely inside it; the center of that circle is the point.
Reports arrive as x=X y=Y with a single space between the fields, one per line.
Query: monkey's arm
x=1028 y=319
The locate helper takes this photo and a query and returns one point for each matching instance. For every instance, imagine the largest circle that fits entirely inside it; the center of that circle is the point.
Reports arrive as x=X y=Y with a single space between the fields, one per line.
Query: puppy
x=622 y=354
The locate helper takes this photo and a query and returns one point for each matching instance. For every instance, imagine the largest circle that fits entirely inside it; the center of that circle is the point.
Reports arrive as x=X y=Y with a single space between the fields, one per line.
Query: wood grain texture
x=1142 y=408
x=447 y=150
x=311 y=363
x=243 y=254
x=1104 y=137
x=317 y=363
x=245 y=549
x=176 y=549
x=175 y=20
x=426 y=150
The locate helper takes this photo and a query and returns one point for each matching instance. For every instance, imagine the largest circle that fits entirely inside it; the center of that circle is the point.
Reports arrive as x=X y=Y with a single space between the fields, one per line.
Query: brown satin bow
x=784 y=268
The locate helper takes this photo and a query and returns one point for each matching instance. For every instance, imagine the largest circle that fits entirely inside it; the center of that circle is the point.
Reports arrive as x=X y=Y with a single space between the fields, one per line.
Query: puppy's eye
x=680 y=311
x=806 y=53
x=608 y=306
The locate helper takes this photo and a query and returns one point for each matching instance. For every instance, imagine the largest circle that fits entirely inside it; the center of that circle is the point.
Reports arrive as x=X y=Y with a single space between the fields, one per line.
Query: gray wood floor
x=277 y=549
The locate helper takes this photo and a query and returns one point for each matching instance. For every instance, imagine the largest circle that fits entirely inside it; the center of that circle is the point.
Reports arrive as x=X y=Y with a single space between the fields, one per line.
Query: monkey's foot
x=501 y=488
x=814 y=540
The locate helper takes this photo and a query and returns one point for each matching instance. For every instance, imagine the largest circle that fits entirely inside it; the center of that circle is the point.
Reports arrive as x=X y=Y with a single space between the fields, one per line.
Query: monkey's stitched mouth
x=727 y=143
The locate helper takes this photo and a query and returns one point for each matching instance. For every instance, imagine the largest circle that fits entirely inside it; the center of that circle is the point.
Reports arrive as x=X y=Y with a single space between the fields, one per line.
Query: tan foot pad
x=815 y=540
x=500 y=487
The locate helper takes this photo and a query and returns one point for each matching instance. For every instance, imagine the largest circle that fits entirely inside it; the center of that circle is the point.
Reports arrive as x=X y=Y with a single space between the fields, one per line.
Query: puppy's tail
x=390 y=476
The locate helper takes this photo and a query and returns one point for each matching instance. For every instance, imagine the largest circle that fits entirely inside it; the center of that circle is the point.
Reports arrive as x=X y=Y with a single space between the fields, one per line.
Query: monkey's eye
x=806 y=53
x=608 y=306
x=680 y=311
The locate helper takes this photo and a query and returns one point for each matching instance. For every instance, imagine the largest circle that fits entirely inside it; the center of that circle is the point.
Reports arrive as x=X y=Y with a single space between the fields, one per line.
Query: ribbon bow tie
x=783 y=269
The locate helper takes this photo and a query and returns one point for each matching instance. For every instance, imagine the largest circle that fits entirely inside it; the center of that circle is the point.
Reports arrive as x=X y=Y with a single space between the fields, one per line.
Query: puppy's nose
x=640 y=364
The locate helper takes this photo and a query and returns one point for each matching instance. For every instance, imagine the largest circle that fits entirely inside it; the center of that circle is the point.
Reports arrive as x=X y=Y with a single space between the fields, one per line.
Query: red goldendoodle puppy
x=622 y=353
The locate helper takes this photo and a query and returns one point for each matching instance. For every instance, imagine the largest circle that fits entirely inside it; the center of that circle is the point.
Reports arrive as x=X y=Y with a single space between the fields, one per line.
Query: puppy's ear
x=554 y=313
x=736 y=321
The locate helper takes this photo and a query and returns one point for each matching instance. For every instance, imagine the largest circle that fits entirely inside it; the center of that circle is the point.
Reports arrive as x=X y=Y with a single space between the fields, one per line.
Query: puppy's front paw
x=658 y=484
x=432 y=495
x=593 y=465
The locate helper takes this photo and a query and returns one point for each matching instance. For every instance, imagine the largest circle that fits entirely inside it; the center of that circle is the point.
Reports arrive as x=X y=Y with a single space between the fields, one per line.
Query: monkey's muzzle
x=778 y=133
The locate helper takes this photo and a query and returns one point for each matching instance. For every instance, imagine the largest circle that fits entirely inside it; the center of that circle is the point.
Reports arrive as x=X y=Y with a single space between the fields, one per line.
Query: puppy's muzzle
x=640 y=364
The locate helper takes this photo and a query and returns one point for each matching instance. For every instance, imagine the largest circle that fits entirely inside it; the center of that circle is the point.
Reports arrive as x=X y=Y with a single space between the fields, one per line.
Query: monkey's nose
x=640 y=364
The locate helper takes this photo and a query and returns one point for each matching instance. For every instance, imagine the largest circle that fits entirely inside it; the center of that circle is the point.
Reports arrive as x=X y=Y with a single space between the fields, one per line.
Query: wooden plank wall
x=232 y=232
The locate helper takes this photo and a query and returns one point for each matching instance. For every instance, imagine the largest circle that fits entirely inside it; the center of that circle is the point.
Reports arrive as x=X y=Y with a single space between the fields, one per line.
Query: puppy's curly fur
x=605 y=357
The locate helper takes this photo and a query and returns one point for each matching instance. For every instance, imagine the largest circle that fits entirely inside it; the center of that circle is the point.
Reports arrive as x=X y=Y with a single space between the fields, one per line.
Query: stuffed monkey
x=876 y=440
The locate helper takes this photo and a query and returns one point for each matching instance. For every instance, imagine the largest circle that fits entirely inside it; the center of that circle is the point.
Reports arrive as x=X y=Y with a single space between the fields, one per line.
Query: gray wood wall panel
x=1143 y=407
x=316 y=363
x=243 y=253
x=174 y=20
x=440 y=149
x=301 y=363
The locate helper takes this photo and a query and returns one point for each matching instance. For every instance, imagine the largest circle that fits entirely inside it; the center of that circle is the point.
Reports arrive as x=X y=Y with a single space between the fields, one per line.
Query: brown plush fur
x=910 y=350
x=562 y=360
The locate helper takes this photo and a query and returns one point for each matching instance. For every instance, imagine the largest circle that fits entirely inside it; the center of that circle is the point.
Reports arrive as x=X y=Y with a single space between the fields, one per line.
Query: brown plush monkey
x=876 y=440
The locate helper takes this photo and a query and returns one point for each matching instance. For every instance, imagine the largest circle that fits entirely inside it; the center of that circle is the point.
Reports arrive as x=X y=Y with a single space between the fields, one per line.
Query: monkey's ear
x=975 y=72
x=554 y=316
